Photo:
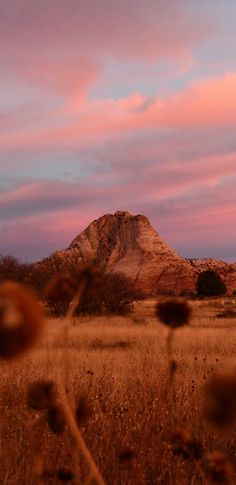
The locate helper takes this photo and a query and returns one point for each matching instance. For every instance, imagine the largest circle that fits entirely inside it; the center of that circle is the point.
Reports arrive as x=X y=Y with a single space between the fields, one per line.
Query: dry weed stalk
x=86 y=278
x=220 y=406
x=78 y=438
x=173 y=313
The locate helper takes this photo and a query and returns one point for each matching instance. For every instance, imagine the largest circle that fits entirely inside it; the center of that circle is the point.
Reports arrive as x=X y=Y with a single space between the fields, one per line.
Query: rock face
x=127 y=243
x=226 y=270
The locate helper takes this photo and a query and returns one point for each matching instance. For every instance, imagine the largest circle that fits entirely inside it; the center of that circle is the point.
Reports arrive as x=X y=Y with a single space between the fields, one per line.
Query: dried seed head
x=89 y=275
x=217 y=468
x=173 y=312
x=184 y=445
x=172 y=368
x=220 y=406
x=126 y=455
x=61 y=287
x=56 y=419
x=83 y=411
x=21 y=319
x=65 y=474
x=41 y=395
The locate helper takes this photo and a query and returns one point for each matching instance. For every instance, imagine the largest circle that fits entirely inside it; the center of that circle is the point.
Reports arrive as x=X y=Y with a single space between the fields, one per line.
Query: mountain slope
x=127 y=243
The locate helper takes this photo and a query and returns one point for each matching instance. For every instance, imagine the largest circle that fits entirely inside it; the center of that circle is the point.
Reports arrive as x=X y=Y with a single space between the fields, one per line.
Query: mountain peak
x=122 y=214
x=126 y=243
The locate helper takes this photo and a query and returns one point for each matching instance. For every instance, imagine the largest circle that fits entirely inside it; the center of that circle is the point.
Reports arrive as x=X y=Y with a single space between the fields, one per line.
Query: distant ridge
x=127 y=243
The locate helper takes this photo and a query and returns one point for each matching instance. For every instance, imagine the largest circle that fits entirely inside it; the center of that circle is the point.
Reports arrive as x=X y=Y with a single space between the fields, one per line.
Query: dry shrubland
x=140 y=426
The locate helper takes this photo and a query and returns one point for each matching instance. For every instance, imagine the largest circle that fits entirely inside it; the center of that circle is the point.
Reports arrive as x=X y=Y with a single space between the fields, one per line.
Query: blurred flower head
x=217 y=468
x=185 y=446
x=41 y=394
x=61 y=287
x=56 y=419
x=173 y=312
x=220 y=402
x=21 y=319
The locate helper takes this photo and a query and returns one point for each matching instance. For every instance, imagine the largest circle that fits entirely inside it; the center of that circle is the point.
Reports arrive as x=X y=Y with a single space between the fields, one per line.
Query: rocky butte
x=127 y=243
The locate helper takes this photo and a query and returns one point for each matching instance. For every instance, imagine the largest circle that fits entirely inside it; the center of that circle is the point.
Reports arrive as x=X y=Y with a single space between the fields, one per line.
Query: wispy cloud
x=117 y=105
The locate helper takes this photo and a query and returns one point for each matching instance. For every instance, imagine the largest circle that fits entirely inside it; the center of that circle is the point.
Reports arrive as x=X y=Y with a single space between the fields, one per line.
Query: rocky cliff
x=226 y=270
x=127 y=243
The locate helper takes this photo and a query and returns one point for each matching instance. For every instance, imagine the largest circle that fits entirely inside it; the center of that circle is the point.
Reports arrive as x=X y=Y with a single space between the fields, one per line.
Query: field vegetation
x=134 y=419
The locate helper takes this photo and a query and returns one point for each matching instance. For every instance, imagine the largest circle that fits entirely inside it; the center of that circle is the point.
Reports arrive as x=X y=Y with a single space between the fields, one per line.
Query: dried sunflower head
x=126 y=455
x=61 y=287
x=65 y=474
x=89 y=275
x=56 y=419
x=184 y=445
x=220 y=404
x=217 y=468
x=21 y=319
x=173 y=312
x=41 y=394
x=83 y=410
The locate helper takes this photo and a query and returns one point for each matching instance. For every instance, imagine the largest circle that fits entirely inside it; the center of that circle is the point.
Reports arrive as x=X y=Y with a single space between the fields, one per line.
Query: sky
x=112 y=105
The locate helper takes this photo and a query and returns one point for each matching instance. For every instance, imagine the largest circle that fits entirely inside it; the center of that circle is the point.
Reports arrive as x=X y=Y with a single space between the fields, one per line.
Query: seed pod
x=21 y=319
x=61 y=287
x=173 y=312
x=83 y=411
x=41 y=395
x=172 y=368
x=56 y=419
x=220 y=406
x=217 y=468
x=89 y=274
x=184 y=445
x=65 y=474
x=126 y=455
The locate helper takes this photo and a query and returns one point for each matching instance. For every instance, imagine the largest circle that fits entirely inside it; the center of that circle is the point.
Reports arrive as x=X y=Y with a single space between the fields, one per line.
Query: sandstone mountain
x=127 y=243
x=226 y=270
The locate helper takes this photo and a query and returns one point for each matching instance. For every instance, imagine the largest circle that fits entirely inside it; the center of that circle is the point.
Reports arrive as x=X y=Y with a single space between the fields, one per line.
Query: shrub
x=114 y=295
x=12 y=269
x=210 y=283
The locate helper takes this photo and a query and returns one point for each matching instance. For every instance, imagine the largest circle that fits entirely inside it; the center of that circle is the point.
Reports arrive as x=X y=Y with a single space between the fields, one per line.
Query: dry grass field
x=120 y=366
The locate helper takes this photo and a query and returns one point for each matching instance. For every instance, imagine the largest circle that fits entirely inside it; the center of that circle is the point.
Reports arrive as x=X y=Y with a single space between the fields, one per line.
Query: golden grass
x=121 y=365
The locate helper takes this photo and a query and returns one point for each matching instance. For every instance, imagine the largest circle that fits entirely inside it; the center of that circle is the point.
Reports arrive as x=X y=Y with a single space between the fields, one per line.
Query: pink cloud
x=71 y=77
x=210 y=102
x=123 y=29
x=204 y=102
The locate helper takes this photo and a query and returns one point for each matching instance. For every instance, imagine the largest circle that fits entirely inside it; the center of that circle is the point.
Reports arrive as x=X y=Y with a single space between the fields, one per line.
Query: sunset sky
x=112 y=105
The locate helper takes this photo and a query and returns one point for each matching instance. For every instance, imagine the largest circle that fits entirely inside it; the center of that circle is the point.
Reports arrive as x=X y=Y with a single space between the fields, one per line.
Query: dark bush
x=12 y=269
x=114 y=295
x=210 y=283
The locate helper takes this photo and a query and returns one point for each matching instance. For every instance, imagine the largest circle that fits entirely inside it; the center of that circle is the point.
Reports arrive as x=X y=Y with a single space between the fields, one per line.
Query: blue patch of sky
x=213 y=57
x=229 y=180
x=217 y=53
x=224 y=252
x=164 y=78
x=121 y=79
x=65 y=166
x=24 y=106
x=15 y=93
